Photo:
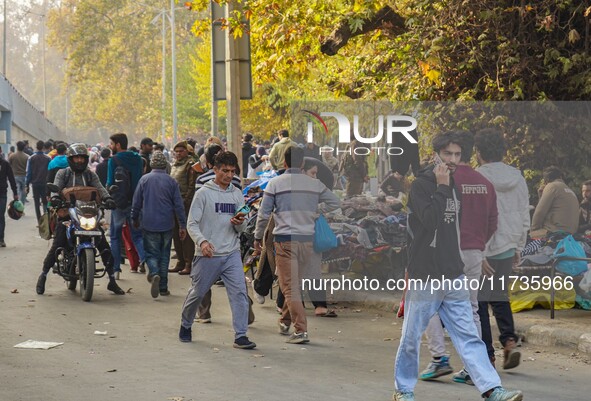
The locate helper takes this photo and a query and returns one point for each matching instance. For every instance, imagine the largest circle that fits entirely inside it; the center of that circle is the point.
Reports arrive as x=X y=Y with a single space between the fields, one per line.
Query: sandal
x=328 y=313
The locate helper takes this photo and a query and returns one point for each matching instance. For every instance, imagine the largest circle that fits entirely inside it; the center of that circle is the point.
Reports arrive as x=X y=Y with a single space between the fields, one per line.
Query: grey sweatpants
x=205 y=272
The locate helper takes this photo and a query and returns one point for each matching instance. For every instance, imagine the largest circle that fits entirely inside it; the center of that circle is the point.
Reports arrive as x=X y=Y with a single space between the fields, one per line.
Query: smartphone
x=244 y=209
x=437 y=160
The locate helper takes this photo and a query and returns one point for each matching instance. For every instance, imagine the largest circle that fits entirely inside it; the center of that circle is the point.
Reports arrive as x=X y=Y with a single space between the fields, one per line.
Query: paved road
x=140 y=358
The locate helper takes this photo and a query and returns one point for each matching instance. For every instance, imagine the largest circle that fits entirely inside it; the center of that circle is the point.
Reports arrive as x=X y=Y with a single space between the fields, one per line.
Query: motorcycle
x=78 y=261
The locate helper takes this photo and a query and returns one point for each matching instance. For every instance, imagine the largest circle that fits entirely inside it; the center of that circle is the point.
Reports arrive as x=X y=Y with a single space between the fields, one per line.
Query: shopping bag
x=130 y=251
x=47 y=224
x=568 y=246
x=324 y=238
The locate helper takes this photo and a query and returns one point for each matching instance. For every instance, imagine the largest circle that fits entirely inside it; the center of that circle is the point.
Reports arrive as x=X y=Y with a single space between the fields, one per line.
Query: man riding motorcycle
x=78 y=174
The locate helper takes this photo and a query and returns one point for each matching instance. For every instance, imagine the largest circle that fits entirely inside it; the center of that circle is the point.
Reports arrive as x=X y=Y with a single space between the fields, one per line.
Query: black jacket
x=101 y=171
x=6 y=176
x=247 y=151
x=37 y=168
x=433 y=225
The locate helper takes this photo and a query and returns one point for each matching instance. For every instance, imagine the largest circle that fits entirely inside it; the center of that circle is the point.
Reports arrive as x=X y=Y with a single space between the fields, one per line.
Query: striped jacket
x=294 y=199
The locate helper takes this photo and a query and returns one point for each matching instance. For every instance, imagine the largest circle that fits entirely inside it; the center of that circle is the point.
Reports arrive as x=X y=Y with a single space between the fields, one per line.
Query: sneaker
x=283 y=329
x=398 y=396
x=258 y=297
x=164 y=293
x=203 y=320
x=244 y=343
x=117 y=275
x=185 y=335
x=155 y=290
x=298 y=338
x=143 y=267
x=112 y=286
x=512 y=357
x=437 y=368
x=500 y=394
x=2 y=244
x=462 y=377
x=40 y=288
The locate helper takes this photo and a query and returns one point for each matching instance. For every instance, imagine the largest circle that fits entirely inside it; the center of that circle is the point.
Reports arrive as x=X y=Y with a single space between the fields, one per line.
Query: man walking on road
x=18 y=162
x=505 y=246
x=37 y=177
x=433 y=226
x=294 y=199
x=215 y=223
x=6 y=178
x=477 y=224
x=157 y=200
x=125 y=170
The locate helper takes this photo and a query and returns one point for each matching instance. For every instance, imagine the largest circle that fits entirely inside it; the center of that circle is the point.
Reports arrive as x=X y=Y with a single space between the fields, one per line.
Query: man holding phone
x=215 y=226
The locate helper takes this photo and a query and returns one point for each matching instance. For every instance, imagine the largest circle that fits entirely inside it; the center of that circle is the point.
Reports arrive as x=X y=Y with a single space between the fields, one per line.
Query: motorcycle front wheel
x=87 y=267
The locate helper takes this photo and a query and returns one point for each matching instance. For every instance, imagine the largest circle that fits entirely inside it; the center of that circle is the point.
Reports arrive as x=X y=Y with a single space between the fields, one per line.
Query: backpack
x=124 y=194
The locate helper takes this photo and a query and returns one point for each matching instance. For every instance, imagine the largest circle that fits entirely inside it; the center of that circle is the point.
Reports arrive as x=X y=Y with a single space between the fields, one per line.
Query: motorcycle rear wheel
x=87 y=267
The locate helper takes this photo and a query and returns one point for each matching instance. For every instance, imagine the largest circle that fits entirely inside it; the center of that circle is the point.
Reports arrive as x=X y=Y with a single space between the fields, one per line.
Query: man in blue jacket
x=158 y=197
x=131 y=163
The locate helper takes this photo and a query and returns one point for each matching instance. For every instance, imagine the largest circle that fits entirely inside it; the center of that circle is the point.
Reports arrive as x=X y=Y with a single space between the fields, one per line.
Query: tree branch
x=386 y=18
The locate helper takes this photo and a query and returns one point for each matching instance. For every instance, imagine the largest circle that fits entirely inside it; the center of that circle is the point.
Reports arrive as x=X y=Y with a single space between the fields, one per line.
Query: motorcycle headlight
x=87 y=223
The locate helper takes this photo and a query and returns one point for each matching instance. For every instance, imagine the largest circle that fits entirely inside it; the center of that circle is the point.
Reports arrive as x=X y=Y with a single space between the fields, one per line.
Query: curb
x=578 y=340
x=553 y=336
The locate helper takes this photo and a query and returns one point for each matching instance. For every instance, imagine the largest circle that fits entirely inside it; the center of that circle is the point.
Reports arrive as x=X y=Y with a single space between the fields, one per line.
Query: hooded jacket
x=209 y=218
x=433 y=228
x=132 y=162
x=513 y=206
x=56 y=164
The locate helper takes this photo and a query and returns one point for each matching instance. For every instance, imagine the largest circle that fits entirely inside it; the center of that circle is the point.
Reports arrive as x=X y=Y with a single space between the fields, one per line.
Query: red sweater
x=478 y=208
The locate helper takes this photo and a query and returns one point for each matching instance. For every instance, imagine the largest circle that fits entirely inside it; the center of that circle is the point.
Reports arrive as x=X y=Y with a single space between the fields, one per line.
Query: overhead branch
x=386 y=18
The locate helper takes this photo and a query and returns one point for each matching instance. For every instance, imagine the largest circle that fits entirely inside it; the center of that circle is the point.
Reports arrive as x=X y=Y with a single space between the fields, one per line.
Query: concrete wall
x=21 y=120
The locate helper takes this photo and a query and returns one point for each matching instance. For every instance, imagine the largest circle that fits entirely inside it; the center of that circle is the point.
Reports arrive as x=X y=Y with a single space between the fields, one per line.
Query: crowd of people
x=462 y=222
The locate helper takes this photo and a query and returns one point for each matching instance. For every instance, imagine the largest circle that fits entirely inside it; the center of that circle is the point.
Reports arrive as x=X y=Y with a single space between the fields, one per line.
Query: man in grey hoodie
x=215 y=223
x=506 y=244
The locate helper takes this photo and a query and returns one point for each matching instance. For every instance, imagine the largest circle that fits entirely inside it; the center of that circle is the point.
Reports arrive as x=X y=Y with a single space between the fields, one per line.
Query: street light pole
x=163 y=75
x=4 y=44
x=173 y=51
x=43 y=58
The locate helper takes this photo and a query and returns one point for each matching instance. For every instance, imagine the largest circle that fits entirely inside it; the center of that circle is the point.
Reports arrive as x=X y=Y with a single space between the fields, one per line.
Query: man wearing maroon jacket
x=478 y=222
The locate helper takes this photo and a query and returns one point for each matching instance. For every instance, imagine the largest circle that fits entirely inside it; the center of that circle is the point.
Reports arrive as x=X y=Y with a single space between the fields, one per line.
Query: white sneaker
x=257 y=297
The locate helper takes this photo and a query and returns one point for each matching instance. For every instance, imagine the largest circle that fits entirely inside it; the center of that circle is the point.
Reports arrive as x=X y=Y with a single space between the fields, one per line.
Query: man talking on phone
x=215 y=222
x=435 y=257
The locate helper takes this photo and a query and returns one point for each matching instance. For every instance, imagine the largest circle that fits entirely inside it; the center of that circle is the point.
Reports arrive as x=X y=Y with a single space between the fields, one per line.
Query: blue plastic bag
x=568 y=246
x=324 y=238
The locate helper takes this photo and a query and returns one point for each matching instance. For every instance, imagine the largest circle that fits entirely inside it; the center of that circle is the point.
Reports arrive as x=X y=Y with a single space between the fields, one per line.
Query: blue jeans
x=157 y=247
x=118 y=218
x=3 y=201
x=455 y=310
x=21 y=188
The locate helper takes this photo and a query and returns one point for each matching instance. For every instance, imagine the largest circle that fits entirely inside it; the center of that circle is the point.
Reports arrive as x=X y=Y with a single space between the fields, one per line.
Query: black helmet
x=77 y=149
x=15 y=210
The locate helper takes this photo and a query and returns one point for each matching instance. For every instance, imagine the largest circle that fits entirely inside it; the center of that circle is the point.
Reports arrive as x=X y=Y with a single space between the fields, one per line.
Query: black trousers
x=498 y=299
x=39 y=195
x=61 y=241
